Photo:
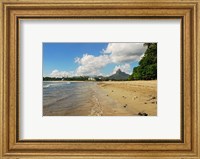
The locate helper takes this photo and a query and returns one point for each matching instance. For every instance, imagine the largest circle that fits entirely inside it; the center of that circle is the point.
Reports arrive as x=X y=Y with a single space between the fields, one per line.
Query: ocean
x=63 y=97
x=79 y=99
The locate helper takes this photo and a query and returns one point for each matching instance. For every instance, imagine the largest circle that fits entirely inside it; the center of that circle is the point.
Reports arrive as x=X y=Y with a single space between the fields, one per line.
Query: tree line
x=147 y=69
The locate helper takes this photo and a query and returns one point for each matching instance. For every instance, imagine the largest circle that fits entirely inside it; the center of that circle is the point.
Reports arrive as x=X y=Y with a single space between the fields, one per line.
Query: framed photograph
x=99 y=79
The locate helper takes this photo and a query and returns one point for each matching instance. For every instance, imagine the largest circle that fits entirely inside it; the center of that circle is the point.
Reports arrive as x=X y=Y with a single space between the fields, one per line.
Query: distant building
x=91 y=79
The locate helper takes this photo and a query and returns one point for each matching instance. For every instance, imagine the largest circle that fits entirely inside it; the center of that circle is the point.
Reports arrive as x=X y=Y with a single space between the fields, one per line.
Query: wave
x=55 y=84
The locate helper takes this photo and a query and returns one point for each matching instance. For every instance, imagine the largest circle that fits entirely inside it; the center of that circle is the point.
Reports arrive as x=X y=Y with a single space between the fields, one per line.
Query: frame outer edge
x=197 y=91
x=1 y=79
x=197 y=69
x=10 y=28
x=198 y=78
x=195 y=79
x=93 y=1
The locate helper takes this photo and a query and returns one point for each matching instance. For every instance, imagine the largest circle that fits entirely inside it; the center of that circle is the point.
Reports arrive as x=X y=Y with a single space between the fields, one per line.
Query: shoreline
x=63 y=81
x=107 y=98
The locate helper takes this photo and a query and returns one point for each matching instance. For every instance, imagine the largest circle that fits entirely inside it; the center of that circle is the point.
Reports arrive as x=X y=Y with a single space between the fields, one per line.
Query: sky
x=90 y=59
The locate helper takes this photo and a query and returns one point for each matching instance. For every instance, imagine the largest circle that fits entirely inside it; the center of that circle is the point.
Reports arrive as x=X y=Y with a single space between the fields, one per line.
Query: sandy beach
x=133 y=96
x=124 y=98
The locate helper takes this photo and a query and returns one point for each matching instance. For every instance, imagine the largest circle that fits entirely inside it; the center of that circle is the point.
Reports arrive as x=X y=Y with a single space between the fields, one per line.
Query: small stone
x=140 y=113
x=125 y=105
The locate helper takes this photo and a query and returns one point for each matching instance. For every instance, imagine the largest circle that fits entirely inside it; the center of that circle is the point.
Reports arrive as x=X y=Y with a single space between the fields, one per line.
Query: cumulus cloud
x=91 y=65
x=124 y=68
x=125 y=52
x=117 y=53
x=57 y=73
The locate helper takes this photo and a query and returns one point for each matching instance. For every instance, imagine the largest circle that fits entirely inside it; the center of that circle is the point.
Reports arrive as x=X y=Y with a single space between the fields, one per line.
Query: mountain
x=119 y=75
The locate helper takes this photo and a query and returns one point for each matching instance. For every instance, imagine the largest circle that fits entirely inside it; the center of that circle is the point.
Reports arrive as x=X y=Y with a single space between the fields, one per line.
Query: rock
x=152 y=98
x=125 y=105
x=142 y=114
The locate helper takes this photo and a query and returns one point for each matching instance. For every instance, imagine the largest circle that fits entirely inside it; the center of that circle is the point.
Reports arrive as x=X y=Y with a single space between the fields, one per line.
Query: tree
x=147 y=69
x=147 y=44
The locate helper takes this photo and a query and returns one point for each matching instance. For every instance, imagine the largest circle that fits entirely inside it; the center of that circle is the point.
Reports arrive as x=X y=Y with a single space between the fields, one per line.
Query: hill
x=119 y=75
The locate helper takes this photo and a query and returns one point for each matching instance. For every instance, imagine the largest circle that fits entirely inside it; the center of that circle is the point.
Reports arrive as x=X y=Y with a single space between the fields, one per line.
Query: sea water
x=58 y=96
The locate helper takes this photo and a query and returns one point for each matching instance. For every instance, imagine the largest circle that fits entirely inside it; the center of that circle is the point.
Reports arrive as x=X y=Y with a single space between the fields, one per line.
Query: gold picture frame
x=12 y=11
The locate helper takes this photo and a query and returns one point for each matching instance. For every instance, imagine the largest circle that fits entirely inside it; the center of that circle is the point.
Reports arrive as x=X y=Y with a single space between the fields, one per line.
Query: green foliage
x=51 y=79
x=147 y=69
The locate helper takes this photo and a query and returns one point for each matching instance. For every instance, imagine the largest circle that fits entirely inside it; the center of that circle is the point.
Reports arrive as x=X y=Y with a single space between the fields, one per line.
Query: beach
x=108 y=98
x=134 y=96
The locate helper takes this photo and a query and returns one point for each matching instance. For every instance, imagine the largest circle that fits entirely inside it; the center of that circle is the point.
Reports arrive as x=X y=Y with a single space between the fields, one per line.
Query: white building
x=91 y=79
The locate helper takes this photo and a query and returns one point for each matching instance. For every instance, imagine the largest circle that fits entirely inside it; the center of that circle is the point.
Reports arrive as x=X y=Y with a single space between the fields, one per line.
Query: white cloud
x=124 y=68
x=117 y=53
x=125 y=52
x=91 y=65
x=57 y=73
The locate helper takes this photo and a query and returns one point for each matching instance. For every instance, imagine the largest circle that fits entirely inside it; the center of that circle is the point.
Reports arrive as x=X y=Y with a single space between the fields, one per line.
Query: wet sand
x=126 y=98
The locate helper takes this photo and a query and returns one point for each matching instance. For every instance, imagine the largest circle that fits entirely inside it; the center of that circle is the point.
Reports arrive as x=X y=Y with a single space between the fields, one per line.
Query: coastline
x=107 y=98
x=63 y=81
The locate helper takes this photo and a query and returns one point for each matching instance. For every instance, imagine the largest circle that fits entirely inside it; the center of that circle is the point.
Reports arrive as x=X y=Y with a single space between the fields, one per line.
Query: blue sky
x=91 y=59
